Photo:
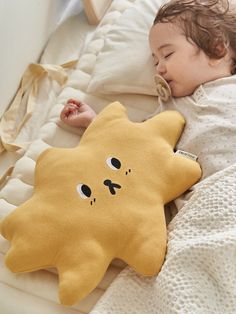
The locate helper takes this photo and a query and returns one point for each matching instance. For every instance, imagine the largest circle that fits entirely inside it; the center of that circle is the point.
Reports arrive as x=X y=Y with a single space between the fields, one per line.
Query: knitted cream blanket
x=199 y=274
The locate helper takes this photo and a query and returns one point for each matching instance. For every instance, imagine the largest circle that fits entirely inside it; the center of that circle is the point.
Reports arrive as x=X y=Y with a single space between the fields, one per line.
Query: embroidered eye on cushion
x=113 y=163
x=88 y=207
x=84 y=190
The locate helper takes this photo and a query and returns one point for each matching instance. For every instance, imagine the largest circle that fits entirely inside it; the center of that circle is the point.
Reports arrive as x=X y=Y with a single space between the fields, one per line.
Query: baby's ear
x=220 y=48
x=220 y=51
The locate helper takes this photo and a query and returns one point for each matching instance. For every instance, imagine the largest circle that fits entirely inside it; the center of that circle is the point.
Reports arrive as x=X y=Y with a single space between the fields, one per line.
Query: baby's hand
x=78 y=114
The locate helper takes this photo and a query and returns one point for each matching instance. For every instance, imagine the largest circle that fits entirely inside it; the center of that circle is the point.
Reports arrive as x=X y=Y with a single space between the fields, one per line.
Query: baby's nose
x=161 y=69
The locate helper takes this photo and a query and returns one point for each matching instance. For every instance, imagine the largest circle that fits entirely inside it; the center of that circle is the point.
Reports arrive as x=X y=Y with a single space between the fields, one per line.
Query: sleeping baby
x=193 y=44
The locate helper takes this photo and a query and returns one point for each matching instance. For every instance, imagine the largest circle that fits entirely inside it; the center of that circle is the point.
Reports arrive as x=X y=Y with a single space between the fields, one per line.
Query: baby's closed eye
x=168 y=55
x=165 y=56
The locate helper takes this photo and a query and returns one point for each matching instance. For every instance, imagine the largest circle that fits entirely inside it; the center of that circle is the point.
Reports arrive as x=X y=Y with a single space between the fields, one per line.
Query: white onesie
x=210 y=130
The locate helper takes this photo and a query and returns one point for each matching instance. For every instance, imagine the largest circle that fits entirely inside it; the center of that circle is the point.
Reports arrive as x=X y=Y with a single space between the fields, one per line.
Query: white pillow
x=124 y=64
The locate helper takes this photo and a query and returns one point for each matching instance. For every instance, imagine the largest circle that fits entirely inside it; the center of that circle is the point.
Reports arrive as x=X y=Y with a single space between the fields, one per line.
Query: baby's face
x=181 y=63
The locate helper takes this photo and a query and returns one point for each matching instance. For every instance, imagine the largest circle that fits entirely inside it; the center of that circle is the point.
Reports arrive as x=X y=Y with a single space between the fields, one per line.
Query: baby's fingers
x=75 y=102
x=66 y=111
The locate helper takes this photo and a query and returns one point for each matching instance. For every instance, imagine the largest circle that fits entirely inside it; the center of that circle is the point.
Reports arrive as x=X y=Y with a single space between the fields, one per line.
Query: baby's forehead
x=165 y=32
x=164 y=36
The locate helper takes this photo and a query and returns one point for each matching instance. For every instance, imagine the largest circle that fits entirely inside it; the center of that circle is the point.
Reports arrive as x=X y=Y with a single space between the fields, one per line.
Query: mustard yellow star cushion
x=101 y=200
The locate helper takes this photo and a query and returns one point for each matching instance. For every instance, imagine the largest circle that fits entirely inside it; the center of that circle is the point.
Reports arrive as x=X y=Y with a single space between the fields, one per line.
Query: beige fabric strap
x=23 y=103
x=6 y=174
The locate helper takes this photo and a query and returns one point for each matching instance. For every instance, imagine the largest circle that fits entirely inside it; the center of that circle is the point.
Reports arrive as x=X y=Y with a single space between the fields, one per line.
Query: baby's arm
x=78 y=114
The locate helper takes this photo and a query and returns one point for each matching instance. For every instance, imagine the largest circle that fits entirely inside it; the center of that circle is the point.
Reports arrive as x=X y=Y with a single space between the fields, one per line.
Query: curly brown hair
x=211 y=25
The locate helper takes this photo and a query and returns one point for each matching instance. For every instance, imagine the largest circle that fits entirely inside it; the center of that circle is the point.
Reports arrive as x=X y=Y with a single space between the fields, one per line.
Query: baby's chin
x=181 y=91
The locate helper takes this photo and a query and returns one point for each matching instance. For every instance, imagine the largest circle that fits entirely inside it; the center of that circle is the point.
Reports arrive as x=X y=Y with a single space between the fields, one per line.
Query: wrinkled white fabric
x=199 y=274
x=210 y=131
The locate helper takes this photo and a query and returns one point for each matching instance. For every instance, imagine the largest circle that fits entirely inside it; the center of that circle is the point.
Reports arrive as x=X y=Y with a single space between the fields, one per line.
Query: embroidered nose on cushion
x=112 y=186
